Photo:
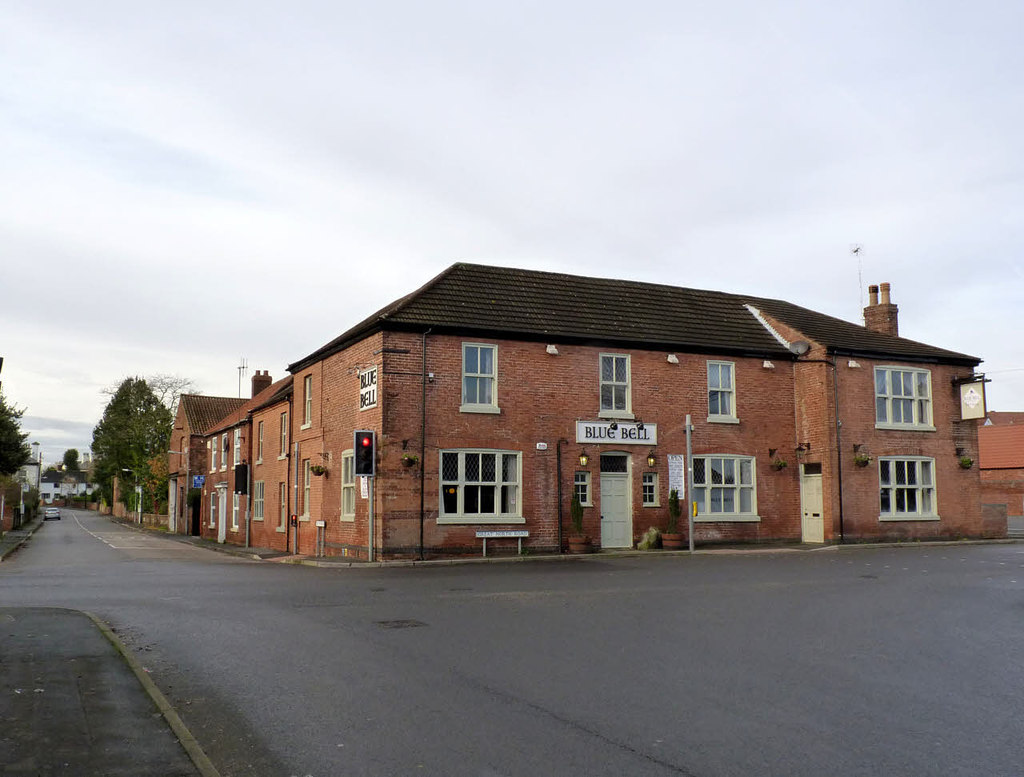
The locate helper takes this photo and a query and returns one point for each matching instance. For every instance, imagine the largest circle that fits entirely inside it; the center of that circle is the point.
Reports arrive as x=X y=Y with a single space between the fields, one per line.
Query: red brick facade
x=806 y=418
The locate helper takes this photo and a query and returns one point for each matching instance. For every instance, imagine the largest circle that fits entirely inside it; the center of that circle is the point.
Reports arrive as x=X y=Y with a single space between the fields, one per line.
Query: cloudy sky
x=185 y=184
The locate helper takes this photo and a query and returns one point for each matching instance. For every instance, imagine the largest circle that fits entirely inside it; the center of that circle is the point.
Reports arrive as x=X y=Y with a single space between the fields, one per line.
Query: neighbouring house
x=1001 y=461
x=187 y=458
x=496 y=395
x=235 y=449
x=55 y=484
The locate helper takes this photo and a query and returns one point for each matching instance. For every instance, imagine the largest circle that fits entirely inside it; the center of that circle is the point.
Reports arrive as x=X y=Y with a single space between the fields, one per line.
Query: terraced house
x=496 y=395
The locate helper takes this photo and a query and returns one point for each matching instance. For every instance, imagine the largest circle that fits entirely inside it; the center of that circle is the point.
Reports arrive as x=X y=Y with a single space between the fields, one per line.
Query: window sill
x=905 y=427
x=723 y=419
x=304 y=517
x=651 y=504
x=905 y=518
x=306 y=425
x=279 y=529
x=485 y=409
x=727 y=518
x=348 y=519
x=620 y=415
x=258 y=461
x=257 y=519
x=469 y=520
x=282 y=457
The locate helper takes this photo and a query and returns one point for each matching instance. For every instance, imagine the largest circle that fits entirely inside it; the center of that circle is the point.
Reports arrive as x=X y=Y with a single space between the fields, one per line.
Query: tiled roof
x=1003 y=418
x=534 y=305
x=1001 y=447
x=268 y=396
x=203 y=412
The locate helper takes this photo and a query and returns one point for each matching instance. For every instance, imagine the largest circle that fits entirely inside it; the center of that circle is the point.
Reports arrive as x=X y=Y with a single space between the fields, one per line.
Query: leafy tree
x=135 y=428
x=71 y=463
x=14 y=449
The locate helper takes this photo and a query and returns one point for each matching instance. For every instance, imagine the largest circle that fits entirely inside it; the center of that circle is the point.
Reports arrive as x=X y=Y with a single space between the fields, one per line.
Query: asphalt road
x=901 y=661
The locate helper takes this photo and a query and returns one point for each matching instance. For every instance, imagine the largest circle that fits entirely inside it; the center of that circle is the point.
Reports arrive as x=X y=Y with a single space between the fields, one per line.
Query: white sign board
x=677 y=474
x=364 y=487
x=368 y=388
x=972 y=400
x=620 y=432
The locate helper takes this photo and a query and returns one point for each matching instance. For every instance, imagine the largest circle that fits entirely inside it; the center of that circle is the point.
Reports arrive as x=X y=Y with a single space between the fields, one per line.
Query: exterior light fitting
x=651 y=460
x=672 y=359
x=553 y=350
x=584 y=458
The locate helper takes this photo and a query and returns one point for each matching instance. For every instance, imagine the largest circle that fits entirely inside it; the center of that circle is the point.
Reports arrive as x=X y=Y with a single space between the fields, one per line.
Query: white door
x=812 y=523
x=222 y=527
x=616 y=519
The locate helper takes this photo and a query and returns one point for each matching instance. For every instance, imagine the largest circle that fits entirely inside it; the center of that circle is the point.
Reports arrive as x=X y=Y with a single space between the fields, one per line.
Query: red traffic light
x=365 y=458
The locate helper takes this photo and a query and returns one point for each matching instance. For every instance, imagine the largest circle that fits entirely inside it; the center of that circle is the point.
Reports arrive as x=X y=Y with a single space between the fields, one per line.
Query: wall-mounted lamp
x=553 y=350
x=804 y=446
x=767 y=365
x=584 y=459
x=853 y=364
x=771 y=453
x=651 y=460
x=959 y=451
x=639 y=426
x=613 y=425
x=856 y=447
x=672 y=359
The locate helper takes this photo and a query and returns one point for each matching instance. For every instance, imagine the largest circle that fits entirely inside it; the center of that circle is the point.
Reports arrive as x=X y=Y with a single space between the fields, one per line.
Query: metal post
x=369 y=483
x=689 y=477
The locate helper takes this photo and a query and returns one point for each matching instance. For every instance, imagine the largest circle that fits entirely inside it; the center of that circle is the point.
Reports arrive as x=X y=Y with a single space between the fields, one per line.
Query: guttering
x=423 y=438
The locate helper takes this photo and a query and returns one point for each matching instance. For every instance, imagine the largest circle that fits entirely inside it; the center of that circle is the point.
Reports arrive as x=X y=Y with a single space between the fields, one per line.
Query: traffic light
x=365 y=448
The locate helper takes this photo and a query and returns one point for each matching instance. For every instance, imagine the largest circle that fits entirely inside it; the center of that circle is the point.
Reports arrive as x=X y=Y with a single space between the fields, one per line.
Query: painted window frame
x=649 y=491
x=582 y=488
x=307 y=405
x=212 y=446
x=213 y=509
x=282 y=507
x=307 y=480
x=259 y=442
x=715 y=367
x=237 y=458
x=702 y=489
x=234 y=511
x=626 y=411
x=919 y=404
x=923 y=488
x=283 y=453
x=224 y=452
x=462 y=485
x=477 y=375
x=348 y=485
x=258 y=500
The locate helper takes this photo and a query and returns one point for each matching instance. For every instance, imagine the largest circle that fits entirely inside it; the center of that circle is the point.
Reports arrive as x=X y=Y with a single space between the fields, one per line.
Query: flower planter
x=579 y=545
x=672 y=541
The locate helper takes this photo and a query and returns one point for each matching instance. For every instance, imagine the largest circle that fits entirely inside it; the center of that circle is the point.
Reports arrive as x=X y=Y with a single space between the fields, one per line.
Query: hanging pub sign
x=621 y=432
x=368 y=388
x=972 y=400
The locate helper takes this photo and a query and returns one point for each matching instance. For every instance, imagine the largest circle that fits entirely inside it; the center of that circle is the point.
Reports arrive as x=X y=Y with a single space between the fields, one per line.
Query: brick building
x=1001 y=461
x=497 y=394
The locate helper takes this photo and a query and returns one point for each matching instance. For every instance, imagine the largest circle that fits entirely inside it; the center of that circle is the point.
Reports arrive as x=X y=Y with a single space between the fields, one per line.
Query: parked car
x=51 y=512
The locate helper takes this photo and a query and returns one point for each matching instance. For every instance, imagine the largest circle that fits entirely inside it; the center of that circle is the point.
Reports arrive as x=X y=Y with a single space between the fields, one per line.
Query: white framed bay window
x=906 y=489
x=480 y=486
x=725 y=488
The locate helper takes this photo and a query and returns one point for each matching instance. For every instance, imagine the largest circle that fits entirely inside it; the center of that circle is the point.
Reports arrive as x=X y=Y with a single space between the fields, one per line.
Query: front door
x=812 y=523
x=222 y=511
x=616 y=518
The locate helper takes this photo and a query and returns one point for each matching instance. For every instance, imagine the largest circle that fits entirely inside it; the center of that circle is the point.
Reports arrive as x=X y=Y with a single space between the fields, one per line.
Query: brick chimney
x=881 y=315
x=260 y=381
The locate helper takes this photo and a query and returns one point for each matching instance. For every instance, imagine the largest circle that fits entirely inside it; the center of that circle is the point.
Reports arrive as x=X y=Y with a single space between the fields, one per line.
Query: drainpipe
x=558 y=470
x=295 y=487
x=288 y=488
x=423 y=439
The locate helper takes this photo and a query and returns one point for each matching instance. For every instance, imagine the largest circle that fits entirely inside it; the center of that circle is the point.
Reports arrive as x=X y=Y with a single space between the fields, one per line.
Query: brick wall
x=1005 y=486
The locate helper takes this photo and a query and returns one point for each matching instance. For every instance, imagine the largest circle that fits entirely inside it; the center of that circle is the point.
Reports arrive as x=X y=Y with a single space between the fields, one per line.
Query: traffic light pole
x=370 y=507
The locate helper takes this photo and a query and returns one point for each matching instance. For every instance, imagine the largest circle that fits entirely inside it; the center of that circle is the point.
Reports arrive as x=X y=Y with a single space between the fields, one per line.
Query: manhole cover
x=404 y=624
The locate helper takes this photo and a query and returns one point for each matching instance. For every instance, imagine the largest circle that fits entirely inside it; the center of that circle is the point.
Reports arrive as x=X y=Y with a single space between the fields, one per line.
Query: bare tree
x=165 y=387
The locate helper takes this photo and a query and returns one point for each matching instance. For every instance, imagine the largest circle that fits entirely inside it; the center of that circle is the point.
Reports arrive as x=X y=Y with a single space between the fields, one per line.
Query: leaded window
x=724 y=486
x=903 y=397
x=906 y=487
x=479 y=486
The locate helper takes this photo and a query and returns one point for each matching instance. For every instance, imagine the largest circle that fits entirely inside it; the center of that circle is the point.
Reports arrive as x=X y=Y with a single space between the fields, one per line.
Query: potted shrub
x=318 y=469
x=966 y=462
x=672 y=538
x=579 y=542
x=410 y=459
x=779 y=464
x=861 y=459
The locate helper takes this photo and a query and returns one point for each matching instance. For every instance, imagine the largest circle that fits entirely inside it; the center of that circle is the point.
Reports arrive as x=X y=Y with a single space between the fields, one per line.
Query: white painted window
x=224 y=451
x=721 y=391
x=480 y=486
x=238 y=447
x=259 y=443
x=649 y=489
x=724 y=488
x=581 y=488
x=479 y=378
x=906 y=488
x=282 y=522
x=234 y=512
x=616 y=399
x=258 y=505
x=307 y=385
x=212 y=445
x=348 y=486
x=305 y=487
x=903 y=398
x=213 y=509
x=284 y=435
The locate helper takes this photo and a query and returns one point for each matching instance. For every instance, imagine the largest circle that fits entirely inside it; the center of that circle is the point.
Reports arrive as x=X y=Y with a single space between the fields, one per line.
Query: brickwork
x=1004 y=486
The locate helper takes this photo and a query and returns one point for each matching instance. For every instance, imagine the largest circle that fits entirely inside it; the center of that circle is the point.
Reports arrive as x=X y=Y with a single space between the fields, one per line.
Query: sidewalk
x=74 y=701
x=13 y=539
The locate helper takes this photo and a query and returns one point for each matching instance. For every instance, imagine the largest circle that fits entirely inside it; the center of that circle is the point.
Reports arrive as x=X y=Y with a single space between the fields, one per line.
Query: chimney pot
x=872 y=295
x=885 y=293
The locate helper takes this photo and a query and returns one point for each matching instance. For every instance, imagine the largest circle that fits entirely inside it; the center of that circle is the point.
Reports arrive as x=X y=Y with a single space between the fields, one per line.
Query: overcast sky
x=185 y=184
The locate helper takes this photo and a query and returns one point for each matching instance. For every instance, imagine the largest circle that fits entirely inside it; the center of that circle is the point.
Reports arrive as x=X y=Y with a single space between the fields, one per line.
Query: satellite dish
x=800 y=347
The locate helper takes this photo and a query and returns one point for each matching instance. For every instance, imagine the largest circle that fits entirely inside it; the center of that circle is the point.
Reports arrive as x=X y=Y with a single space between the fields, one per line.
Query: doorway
x=812 y=522
x=616 y=506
